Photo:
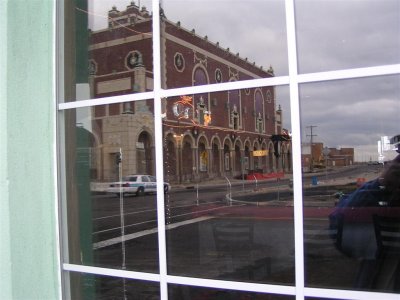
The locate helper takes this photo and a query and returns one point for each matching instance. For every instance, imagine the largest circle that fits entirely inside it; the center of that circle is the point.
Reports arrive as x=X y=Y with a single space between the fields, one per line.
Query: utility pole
x=311 y=135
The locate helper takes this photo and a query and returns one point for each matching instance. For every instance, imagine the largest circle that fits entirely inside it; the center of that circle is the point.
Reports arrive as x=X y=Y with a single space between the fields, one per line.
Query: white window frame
x=294 y=79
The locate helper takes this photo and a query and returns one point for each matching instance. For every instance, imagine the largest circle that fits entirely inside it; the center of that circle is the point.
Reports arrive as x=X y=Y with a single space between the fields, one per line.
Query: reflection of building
x=340 y=157
x=325 y=157
x=387 y=148
x=206 y=135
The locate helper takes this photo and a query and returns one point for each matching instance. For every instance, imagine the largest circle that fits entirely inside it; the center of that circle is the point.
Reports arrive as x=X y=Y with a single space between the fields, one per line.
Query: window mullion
x=296 y=148
x=162 y=250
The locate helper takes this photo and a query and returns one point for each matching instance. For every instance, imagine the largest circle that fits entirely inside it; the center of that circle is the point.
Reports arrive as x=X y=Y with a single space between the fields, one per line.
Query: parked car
x=137 y=185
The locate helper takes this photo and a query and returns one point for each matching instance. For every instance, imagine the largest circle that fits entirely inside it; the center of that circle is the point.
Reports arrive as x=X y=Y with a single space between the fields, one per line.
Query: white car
x=137 y=185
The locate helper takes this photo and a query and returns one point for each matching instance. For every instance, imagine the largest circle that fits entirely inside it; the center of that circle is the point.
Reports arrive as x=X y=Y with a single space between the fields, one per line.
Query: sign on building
x=260 y=152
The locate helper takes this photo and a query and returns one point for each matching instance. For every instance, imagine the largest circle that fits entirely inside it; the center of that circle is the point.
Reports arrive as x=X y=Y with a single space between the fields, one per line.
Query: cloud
x=347 y=34
x=352 y=112
x=255 y=29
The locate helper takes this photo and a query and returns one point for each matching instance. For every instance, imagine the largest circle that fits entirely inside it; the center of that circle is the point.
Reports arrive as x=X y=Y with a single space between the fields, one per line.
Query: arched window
x=201 y=101
x=234 y=109
x=259 y=112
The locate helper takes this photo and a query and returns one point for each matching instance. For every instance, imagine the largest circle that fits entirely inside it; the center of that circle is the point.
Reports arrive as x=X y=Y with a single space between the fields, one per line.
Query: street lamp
x=277 y=139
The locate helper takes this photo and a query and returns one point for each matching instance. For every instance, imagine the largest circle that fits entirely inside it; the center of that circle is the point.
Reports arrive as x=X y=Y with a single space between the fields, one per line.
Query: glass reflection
x=367 y=34
x=196 y=52
x=89 y=286
x=178 y=292
x=229 y=213
x=108 y=49
x=351 y=176
x=111 y=186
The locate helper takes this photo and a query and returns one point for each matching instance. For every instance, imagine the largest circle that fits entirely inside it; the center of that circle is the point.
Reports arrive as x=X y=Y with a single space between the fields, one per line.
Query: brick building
x=206 y=135
x=319 y=156
x=341 y=157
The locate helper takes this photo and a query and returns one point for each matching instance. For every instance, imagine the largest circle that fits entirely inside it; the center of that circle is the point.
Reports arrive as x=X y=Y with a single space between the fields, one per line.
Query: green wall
x=29 y=255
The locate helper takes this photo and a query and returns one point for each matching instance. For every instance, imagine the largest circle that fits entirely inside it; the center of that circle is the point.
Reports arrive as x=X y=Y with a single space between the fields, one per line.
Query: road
x=192 y=216
x=140 y=213
x=184 y=204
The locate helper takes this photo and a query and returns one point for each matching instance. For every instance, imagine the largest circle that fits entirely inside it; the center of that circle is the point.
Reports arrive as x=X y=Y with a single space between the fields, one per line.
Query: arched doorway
x=187 y=161
x=201 y=101
x=227 y=158
x=216 y=161
x=170 y=159
x=144 y=154
x=238 y=164
x=246 y=159
x=203 y=160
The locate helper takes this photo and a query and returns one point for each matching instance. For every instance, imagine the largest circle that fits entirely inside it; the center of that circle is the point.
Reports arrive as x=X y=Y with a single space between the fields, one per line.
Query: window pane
x=108 y=49
x=333 y=35
x=347 y=127
x=230 y=216
x=181 y=292
x=111 y=215
x=89 y=286
x=242 y=42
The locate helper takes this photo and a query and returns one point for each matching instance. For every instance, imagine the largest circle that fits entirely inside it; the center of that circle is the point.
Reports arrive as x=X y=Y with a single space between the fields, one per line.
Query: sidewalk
x=223 y=182
x=101 y=187
x=288 y=176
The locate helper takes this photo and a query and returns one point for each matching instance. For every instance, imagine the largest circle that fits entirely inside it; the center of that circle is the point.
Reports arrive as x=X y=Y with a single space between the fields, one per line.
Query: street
x=186 y=203
x=250 y=238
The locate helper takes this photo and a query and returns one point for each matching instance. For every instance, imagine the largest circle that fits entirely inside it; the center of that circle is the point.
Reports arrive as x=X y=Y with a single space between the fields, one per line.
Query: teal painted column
x=29 y=250
x=5 y=258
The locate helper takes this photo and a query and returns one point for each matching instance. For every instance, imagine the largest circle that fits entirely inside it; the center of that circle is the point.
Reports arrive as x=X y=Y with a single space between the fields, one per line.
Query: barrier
x=258 y=176
x=314 y=180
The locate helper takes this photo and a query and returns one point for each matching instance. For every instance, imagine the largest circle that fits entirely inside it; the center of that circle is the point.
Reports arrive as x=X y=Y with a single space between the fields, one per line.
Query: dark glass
x=334 y=35
x=181 y=292
x=90 y=286
x=228 y=156
x=108 y=49
x=351 y=180
x=112 y=216
x=244 y=44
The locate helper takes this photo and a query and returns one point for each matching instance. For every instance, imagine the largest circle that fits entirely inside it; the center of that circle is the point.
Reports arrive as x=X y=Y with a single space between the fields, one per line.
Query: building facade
x=121 y=62
x=317 y=156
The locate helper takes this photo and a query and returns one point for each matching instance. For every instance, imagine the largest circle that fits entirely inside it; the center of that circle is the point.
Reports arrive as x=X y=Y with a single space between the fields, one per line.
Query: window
x=252 y=200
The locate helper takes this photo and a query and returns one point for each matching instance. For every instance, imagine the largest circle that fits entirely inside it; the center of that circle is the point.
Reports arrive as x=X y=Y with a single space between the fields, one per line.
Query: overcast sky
x=331 y=35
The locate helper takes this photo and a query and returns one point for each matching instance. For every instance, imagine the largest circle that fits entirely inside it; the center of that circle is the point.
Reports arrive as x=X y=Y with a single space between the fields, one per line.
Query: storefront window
x=202 y=156
x=109 y=287
x=347 y=183
x=107 y=204
x=185 y=292
x=112 y=49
